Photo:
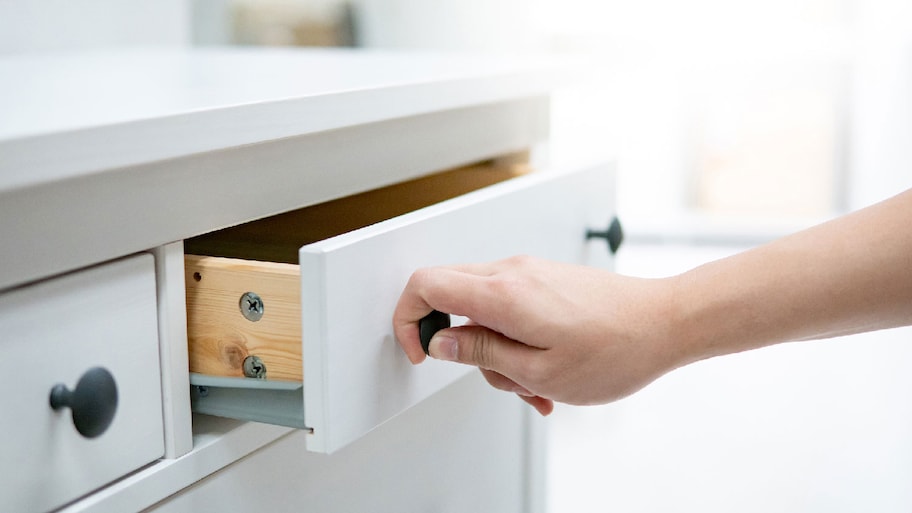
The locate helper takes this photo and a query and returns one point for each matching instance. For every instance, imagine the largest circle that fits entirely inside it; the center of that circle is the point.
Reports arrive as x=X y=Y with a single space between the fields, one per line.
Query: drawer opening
x=278 y=238
x=260 y=257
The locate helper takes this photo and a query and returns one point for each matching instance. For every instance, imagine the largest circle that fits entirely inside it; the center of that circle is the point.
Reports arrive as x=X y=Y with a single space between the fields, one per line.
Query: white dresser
x=111 y=163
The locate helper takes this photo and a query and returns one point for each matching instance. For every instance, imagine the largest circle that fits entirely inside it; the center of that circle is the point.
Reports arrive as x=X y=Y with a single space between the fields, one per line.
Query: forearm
x=850 y=275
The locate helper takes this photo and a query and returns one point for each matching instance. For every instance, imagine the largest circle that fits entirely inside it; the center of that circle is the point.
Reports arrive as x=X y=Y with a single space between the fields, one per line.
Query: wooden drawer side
x=220 y=337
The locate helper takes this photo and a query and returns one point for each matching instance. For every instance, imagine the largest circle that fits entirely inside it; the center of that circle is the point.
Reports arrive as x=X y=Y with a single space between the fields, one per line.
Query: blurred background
x=732 y=122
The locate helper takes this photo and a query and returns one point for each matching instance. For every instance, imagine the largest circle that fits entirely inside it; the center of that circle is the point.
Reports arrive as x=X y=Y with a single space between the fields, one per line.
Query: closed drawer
x=54 y=333
x=325 y=281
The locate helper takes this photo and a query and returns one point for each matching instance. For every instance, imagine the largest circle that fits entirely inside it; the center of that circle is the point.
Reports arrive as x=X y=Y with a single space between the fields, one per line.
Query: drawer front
x=355 y=376
x=54 y=332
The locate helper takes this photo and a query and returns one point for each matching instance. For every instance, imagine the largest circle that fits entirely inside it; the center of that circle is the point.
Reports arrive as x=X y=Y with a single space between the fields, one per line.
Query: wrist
x=696 y=321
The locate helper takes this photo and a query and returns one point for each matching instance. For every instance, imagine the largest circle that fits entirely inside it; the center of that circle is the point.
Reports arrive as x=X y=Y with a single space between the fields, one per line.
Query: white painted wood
x=55 y=25
x=122 y=211
x=53 y=332
x=355 y=375
x=59 y=110
x=217 y=443
x=462 y=452
x=535 y=465
x=172 y=331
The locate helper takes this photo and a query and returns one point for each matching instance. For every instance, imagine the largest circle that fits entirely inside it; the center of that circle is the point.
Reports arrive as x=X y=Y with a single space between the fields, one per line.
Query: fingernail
x=443 y=347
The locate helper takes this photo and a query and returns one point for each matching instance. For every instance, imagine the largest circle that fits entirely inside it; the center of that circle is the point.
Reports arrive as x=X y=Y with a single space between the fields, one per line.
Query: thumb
x=481 y=347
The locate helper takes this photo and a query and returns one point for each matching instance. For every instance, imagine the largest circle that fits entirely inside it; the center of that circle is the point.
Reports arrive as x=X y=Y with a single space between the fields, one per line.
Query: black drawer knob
x=93 y=402
x=614 y=235
x=430 y=324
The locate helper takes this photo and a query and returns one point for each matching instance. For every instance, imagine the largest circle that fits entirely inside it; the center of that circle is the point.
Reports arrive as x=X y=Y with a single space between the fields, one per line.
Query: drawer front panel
x=54 y=332
x=355 y=376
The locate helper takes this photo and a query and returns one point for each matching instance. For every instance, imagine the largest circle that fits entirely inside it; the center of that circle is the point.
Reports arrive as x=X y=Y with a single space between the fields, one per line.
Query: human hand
x=544 y=330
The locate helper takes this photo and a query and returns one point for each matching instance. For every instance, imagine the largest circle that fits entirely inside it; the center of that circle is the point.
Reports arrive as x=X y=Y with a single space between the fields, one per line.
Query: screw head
x=254 y=367
x=251 y=306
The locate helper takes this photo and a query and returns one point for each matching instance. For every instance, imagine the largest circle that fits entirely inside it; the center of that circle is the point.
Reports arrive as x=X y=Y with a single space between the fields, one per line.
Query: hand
x=544 y=330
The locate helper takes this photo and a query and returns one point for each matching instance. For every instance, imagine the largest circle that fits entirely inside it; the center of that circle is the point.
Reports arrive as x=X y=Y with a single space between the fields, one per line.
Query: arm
x=550 y=331
x=846 y=276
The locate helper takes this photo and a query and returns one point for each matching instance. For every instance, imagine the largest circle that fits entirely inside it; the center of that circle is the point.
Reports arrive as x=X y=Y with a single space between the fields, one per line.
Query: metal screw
x=254 y=367
x=203 y=391
x=251 y=306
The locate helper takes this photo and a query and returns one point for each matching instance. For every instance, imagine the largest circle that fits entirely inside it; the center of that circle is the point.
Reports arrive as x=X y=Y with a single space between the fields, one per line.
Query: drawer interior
x=261 y=256
x=278 y=238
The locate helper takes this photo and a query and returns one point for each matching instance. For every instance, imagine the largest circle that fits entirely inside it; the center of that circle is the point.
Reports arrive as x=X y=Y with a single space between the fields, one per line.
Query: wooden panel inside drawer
x=221 y=337
x=261 y=257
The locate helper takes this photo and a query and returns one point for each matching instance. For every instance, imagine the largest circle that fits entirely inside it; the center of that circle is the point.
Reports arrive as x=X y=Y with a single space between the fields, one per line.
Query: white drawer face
x=54 y=332
x=355 y=377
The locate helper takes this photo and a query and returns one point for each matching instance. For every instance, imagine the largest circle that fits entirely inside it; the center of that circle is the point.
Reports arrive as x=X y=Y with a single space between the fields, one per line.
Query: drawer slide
x=272 y=402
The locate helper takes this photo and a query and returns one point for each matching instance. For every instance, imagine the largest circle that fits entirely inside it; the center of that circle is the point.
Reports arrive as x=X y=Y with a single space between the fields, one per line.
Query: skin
x=550 y=332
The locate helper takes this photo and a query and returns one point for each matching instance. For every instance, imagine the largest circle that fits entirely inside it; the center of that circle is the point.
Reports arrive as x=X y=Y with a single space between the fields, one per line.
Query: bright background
x=732 y=122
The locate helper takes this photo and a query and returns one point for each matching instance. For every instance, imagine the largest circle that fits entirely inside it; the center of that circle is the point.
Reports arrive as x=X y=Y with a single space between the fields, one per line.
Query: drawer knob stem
x=92 y=403
x=614 y=235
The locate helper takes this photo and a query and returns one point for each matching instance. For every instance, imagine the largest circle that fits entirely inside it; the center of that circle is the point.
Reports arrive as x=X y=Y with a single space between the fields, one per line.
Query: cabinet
x=111 y=154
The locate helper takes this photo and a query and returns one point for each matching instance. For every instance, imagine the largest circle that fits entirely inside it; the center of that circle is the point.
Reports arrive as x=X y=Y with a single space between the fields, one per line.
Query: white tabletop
x=69 y=114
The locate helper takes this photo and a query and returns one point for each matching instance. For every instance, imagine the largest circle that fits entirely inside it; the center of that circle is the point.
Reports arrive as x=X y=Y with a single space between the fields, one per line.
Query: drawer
x=308 y=295
x=54 y=333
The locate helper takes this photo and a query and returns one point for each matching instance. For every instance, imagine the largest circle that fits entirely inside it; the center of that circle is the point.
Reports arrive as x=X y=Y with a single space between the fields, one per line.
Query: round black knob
x=93 y=401
x=614 y=235
x=430 y=324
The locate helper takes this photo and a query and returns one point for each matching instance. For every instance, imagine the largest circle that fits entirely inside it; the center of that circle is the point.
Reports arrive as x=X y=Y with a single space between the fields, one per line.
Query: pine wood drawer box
x=97 y=321
x=308 y=296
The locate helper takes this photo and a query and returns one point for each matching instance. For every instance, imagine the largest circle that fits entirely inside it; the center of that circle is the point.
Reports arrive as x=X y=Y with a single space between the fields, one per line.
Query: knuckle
x=482 y=349
x=506 y=287
x=519 y=259
x=514 y=282
x=420 y=277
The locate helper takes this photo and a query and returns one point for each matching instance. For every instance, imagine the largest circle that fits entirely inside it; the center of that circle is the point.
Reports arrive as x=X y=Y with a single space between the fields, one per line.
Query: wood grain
x=220 y=337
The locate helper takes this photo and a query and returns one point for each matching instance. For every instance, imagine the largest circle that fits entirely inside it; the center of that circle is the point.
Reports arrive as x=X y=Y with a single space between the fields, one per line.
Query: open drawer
x=305 y=299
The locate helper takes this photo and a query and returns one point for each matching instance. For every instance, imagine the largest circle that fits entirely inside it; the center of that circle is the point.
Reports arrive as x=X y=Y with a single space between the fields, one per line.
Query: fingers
x=484 y=348
x=460 y=290
x=542 y=405
x=427 y=289
x=472 y=291
x=499 y=381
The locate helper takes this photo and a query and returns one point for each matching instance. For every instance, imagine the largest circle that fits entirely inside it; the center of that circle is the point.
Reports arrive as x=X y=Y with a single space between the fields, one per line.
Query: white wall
x=483 y=25
x=64 y=25
x=730 y=108
x=881 y=150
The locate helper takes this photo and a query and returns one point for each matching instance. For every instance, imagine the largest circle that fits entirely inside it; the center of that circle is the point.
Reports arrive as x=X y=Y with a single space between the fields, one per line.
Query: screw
x=203 y=391
x=251 y=306
x=254 y=367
